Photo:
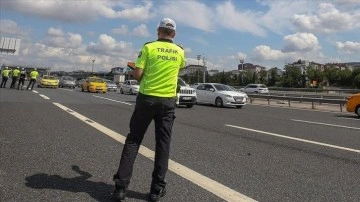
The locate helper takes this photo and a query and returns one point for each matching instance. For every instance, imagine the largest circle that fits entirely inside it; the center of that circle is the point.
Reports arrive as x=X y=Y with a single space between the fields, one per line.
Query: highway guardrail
x=289 y=99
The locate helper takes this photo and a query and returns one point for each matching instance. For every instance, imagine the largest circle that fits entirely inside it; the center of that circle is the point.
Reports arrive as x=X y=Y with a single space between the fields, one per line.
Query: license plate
x=238 y=100
x=186 y=98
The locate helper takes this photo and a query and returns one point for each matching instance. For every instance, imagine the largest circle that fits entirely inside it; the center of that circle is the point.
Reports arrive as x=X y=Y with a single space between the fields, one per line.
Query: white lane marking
x=212 y=186
x=112 y=100
x=35 y=91
x=325 y=124
x=65 y=89
x=45 y=97
x=297 y=139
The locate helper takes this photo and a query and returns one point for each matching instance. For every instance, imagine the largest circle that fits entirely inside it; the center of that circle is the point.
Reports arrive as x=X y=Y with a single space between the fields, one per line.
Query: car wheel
x=219 y=102
x=131 y=93
x=189 y=105
x=82 y=89
x=88 y=89
x=357 y=110
x=239 y=107
x=121 y=91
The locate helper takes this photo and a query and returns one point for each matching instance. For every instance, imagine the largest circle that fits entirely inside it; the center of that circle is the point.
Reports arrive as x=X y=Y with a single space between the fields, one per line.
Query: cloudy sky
x=67 y=34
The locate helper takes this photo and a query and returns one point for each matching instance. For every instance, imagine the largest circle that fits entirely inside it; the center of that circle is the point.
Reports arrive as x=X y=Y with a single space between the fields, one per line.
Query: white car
x=111 y=85
x=186 y=95
x=220 y=95
x=255 y=88
x=130 y=86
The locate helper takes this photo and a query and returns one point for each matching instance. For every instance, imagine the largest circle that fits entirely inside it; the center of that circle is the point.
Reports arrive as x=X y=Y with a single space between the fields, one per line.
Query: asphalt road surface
x=65 y=145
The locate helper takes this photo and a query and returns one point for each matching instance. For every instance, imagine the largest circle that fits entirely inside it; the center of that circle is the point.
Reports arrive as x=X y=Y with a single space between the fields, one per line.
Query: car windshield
x=49 y=77
x=97 y=80
x=181 y=82
x=222 y=87
x=232 y=88
x=262 y=86
x=134 y=83
x=68 y=78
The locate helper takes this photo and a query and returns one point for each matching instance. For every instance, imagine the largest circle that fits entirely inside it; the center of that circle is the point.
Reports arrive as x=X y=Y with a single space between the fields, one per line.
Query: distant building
x=118 y=70
x=301 y=64
x=192 y=69
x=213 y=72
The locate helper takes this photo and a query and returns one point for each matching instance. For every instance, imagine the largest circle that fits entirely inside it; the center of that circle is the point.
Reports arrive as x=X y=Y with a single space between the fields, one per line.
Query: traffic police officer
x=15 y=76
x=22 y=79
x=5 y=76
x=33 y=76
x=157 y=69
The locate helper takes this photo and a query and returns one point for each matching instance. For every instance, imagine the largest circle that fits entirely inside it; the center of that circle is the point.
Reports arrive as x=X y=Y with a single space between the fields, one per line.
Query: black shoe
x=119 y=194
x=155 y=196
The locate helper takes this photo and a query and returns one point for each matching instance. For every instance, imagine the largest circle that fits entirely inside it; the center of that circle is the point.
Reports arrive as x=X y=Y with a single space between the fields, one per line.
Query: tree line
x=292 y=77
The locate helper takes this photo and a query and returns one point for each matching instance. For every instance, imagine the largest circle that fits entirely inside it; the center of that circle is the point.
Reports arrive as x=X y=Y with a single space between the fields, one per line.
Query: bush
x=356 y=81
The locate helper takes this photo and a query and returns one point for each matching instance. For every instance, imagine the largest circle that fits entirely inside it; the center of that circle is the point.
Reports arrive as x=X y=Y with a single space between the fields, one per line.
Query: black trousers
x=21 y=82
x=31 y=82
x=3 y=81
x=13 y=81
x=148 y=108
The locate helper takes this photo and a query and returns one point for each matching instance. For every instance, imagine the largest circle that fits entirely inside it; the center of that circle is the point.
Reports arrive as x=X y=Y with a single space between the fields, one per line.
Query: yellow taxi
x=48 y=81
x=94 y=84
x=353 y=104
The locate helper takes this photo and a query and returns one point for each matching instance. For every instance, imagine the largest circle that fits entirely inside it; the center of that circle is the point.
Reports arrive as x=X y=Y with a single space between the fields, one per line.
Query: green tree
x=356 y=81
x=315 y=75
x=293 y=77
x=273 y=77
x=332 y=75
x=263 y=76
x=345 y=77
x=223 y=77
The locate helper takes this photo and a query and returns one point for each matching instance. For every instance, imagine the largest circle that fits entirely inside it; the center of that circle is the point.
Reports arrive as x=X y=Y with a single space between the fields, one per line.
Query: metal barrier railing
x=311 y=100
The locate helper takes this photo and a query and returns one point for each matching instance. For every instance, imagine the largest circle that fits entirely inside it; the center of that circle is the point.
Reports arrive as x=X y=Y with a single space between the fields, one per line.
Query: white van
x=186 y=95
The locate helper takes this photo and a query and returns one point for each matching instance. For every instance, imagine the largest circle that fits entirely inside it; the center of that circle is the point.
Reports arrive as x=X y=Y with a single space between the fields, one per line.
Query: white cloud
x=300 y=42
x=327 y=19
x=10 y=28
x=80 y=11
x=141 y=31
x=348 y=47
x=107 y=45
x=57 y=38
x=122 y=30
x=277 y=18
x=228 y=17
x=262 y=52
x=190 y=13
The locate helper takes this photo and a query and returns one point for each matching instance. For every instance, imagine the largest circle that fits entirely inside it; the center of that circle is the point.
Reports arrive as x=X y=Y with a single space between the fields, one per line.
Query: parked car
x=111 y=85
x=129 y=86
x=48 y=81
x=94 y=84
x=220 y=95
x=255 y=88
x=67 y=81
x=353 y=104
x=186 y=95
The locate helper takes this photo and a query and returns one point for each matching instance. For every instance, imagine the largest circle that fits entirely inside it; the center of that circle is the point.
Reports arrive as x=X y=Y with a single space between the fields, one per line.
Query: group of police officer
x=18 y=75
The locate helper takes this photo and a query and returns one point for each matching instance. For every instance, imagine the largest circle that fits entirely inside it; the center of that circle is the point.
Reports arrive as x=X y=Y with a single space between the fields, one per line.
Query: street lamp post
x=242 y=70
x=204 y=61
x=92 y=70
x=198 y=57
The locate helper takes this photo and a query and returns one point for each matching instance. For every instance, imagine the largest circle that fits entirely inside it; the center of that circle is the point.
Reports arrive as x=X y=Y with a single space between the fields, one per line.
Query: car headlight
x=229 y=96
